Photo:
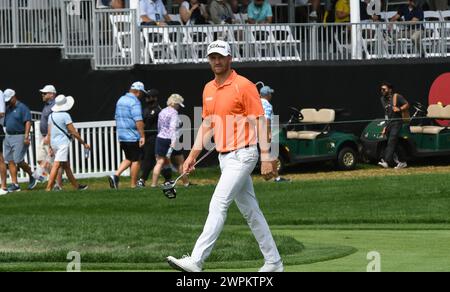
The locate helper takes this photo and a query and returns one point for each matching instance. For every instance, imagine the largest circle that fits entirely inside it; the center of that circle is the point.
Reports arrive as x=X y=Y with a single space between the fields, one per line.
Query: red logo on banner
x=440 y=93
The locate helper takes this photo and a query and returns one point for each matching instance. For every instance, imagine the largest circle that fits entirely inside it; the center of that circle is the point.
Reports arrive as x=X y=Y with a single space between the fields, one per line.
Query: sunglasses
x=384 y=89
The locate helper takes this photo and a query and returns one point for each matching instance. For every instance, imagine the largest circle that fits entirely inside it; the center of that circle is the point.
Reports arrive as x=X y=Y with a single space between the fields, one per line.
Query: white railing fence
x=25 y=23
x=105 y=155
x=114 y=38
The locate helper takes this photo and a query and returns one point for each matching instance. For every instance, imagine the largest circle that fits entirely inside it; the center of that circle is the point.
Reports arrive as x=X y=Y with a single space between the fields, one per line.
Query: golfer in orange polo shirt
x=233 y=114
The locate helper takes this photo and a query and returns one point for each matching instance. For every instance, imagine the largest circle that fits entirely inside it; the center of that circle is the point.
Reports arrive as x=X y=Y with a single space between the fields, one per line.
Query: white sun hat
x=63 y=103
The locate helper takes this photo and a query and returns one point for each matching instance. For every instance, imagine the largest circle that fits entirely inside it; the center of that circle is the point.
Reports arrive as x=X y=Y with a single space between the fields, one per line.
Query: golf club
x=169 y=187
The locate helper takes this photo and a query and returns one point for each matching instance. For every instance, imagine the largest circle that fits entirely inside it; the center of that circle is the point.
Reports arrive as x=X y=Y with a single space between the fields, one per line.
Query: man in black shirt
x=150 y=113
x=394 y=104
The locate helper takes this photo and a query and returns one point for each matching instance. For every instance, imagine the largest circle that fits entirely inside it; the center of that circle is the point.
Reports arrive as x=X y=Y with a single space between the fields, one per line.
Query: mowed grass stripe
x=143 y=226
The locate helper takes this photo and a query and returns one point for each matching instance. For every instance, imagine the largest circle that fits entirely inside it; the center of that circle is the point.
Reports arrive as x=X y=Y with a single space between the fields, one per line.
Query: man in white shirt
x=3 y=189
x=153 y=12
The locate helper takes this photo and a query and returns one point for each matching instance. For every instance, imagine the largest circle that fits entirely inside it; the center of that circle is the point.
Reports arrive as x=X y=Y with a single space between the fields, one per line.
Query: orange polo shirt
x=233 y=108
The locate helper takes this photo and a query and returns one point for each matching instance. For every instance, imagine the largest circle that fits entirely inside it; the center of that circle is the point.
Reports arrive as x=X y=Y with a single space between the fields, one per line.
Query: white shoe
x=3 y=192
x=383 y=164
x=401 y=165
x=270 y=268
x=185 y=264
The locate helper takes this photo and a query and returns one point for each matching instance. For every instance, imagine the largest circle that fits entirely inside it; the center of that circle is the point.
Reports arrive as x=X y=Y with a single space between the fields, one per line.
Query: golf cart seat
x=312 y=116
x=435 y=111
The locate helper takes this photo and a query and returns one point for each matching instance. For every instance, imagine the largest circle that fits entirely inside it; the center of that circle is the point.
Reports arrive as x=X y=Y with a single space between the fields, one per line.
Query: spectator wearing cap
x=266 y=96
x=42 y=149
x=60 y=132
x=130 y=132
x=17 y=140
x=168 y=124
x=260 y=11
x=4 y=188
x=151 y=110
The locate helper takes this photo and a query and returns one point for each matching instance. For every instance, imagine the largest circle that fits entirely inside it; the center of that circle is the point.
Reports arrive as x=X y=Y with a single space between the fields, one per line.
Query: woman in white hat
x=61 y=131
x=168 y=134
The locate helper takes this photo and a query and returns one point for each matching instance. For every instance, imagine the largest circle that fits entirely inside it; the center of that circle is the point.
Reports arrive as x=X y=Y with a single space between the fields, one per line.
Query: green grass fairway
x=319 y=225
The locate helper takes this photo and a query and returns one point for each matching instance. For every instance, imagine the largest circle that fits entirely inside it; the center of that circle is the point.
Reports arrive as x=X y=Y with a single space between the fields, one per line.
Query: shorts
x=132 y=151
x=42 y=150
x=162 y=146
x=14 y=149
x=61 y=152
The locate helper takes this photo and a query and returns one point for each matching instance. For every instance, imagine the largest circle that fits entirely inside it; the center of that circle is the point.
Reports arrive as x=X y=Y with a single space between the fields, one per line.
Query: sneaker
x=40 y=179
x=113 y=181
x=57 y=188
x=313 y=14
x=3 y=192
x=185 y=264
x=281 y=179
x=270 y=268
x=13 y=188
x=33 y=183
x=401 y=165
x=383 y=164
x=140 y=183
x=82 y=187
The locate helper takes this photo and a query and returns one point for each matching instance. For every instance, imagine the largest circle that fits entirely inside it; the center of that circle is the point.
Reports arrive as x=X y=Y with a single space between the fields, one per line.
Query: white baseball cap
x=219 y=47
x=8 y=94
x=175 y=99
x=48 y=89
x=63 y=103
x=138 y=86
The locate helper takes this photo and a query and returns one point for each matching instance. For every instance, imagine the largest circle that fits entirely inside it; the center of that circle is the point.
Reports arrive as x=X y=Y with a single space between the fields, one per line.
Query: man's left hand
x=267 y=169
x=396 y=109
x=26 y=141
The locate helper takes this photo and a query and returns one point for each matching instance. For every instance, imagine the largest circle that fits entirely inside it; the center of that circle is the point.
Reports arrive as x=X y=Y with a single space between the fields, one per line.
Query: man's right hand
x=383 y=132
x=188 y=165
x=141 y=142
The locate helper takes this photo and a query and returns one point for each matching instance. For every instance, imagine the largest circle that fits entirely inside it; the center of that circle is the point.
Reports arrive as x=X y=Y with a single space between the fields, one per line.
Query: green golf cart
x=426 y=135
x=308 y=137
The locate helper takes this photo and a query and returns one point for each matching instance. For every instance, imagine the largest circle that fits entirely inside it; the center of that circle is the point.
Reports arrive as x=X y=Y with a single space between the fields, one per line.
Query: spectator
x=3 y=189
x=342 y=11
x=193 y=12
x=220 y=12
x=17 y=140
x=259 y=11
x=130 y=132
x=150 y=115
x=167 y=135
x=394 y=104
x=266 y=96
x=411 y=13
x=61 y=131
x=153 y=12
x=42 y=148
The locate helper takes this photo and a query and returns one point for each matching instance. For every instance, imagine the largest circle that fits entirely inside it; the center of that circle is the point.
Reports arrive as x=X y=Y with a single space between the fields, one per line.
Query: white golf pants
x=236 y=184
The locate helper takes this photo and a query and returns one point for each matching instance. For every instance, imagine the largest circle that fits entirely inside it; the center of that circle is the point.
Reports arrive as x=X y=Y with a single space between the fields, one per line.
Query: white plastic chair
x=121 y=24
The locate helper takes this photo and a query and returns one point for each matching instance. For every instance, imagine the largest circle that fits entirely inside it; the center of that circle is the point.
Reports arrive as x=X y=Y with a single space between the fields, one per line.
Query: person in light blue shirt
x=61 y=131
x=153 y=12
x=259 y=11
x=266 y=96
x=130 y=132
